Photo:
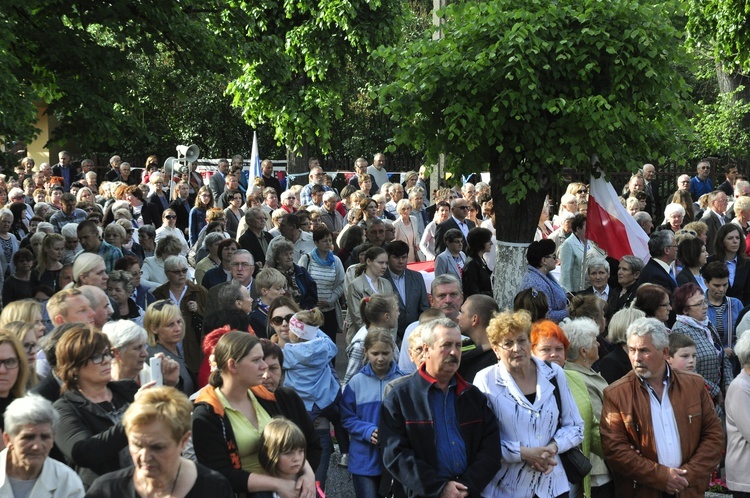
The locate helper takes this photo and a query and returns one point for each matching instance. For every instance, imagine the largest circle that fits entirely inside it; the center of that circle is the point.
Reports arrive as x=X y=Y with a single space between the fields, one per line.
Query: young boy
x=682 y=352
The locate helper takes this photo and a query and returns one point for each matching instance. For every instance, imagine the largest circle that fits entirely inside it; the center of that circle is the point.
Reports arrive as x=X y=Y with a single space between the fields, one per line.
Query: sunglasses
x=181 y=271
x=171 y=217
x=159 y=305
x=278 y=320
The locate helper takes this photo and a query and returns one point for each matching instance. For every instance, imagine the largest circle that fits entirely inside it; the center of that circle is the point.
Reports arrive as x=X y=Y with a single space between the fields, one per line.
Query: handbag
x=577 y=466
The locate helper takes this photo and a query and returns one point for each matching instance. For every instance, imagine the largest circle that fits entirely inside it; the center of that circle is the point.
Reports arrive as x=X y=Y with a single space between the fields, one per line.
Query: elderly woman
x=30 y=426
x=535 y=426
x=90 y=269
x=738 y=424
x=235 y=407
x=693 y=255
x=712 y=363
x=654 y=300
x=91 y=435
x=476 y=275
x=674 y=215
x=191 y=300
x=140 y=295
x=326 y=269
x=129 y=352
x=157 y=426
x=9 y=244
x=623 y=294
x=407 y=228
x=542 y=261
x=572 y=253
x=452 y=260
x=120 y=289
x=729 y=247
x=616 y=364
x=581 y=355
x=549 y=344
x=153 y=266
x=157 y=202
x=212 y=260
x=302 y=288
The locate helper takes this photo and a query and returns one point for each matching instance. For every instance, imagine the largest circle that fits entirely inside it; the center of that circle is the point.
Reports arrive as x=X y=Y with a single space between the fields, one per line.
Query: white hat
x=302 y=330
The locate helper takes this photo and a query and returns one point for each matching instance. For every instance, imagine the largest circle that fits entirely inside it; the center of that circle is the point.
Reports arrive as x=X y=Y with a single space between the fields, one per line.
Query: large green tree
x=297 y=59
x=529 y=87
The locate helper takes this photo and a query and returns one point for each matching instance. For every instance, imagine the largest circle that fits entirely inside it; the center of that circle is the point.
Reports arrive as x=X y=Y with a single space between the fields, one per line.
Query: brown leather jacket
x=626 y=422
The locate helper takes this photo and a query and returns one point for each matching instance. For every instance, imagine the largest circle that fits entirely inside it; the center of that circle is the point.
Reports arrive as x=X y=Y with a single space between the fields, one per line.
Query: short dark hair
x=578 y=221
x=88 y=224
x=320 y=233
x=397 y=248
x=681 y=296
x=678 y=341
x=715 y=269
x=290 y=219
x=223 y=245
x=689 y=251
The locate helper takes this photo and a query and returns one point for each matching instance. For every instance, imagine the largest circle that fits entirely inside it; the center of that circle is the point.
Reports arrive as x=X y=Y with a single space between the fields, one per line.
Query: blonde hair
x=508 y=323
x=160 y=404
x=157 y=315
x=280 y=436
x=23 y=310
x=18 y=390
x=312 y=317
x=20 y=329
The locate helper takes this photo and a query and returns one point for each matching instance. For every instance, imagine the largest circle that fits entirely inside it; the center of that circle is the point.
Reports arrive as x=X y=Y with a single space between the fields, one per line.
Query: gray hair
x=581 y=332
x=619 y=323
x=596 y=262
x=652 y=327
x=213 y=238
x=15 y=192
x=123 y=332
x=147 y=230
x=6 y=212
x=274 y=250
x=673 y=208
x=230 y=293
x=329 y=195
x=741 y=349
x=285 y=194
x=45 y=227
x=70 y=230
x=173 y=262
x=636 y=263
x=659 y=241
x=32 y=409
x=430 y=328
x=740 y=186
x=40 y=208
x=445 y=278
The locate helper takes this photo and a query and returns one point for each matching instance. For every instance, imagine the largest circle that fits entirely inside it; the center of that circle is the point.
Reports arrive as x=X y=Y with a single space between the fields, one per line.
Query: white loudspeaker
x=191 y=153
x=170 y=165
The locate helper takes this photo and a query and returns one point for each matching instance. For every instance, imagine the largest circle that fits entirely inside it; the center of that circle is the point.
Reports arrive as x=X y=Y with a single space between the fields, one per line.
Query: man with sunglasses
x=459 y=212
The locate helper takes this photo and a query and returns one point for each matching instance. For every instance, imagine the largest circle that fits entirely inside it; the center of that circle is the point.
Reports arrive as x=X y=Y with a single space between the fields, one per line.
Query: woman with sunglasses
x=169 y=227
x=90 y=434
x=190 y=300
x=279 y=313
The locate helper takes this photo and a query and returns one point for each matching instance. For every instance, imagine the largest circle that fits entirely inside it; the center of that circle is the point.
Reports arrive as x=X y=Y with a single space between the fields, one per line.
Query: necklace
x=176 y=478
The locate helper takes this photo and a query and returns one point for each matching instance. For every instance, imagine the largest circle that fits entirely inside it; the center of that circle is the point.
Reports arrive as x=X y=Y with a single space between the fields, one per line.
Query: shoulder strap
x=556 y=392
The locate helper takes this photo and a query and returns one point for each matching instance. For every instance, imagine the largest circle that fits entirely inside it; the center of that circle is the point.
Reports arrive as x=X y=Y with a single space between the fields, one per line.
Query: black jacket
x=86 y=435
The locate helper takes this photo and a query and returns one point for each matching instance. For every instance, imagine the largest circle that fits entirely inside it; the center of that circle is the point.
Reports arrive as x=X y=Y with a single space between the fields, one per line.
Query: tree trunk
x=296 y=161
x=515 y=226
x=730 y=82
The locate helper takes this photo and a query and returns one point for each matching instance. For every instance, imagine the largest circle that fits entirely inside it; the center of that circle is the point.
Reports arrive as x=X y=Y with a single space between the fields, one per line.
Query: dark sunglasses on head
x=278 y=320
x=159 y=305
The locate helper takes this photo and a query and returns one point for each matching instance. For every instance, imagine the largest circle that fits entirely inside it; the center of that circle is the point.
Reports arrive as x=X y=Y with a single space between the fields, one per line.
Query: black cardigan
x=86 y=435
x=214 y=442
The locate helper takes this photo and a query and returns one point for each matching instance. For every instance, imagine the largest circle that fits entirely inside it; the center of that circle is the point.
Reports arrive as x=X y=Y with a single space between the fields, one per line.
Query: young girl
x=282 y=450
x=308 y=368
x=360 y=410
x=377 y=311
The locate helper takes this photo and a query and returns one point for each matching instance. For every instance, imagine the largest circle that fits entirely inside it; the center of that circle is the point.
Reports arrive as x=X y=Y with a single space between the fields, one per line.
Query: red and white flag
x=611 y=226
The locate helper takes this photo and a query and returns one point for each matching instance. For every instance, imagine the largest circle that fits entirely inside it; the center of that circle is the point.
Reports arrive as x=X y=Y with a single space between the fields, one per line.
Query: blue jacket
x=407 y=437
x=309 y=371
x=360 y=410
x=558 y=301
x=728 y=335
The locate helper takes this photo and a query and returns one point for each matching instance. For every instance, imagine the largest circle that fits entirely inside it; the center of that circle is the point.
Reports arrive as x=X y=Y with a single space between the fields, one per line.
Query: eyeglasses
x=278 y=320
x=159 y=305
x=178 y=271
x=170 y=217
x=238 y=264
x=137 y=273
x=462 y=207
x=101 y=358
x=665 y=305
x=10 y=363
x=30 y=347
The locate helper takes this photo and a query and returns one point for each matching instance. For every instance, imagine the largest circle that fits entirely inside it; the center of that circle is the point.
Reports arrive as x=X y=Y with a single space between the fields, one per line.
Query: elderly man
x=100 y=303
x=714 y=217
x=438 y=434
x=701 y=184
x=114 y=173
x=65 y=169
x=256 y=238
x=316 y=177
x=375 y=232
x=652 y=188
x=660 y=433
x=741 y=189
x=660 y=269
x=242 y=268
x=377 y=170
x=683 y=182
x=330 y=217
x=645 y=221
x=396 y=191
x=289 y=226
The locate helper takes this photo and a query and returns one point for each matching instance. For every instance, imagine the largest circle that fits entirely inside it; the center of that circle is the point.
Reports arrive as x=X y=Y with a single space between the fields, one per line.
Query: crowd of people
x=178 y=337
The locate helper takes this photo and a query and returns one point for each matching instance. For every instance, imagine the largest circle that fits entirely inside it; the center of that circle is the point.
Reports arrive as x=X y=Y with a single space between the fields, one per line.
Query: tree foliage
x=721 y=128
x=297 y=59
x=721 y=28
x=529 y=87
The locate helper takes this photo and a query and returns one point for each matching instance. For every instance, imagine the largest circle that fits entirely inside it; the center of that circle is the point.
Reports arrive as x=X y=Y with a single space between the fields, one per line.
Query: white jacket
x=57 y=480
